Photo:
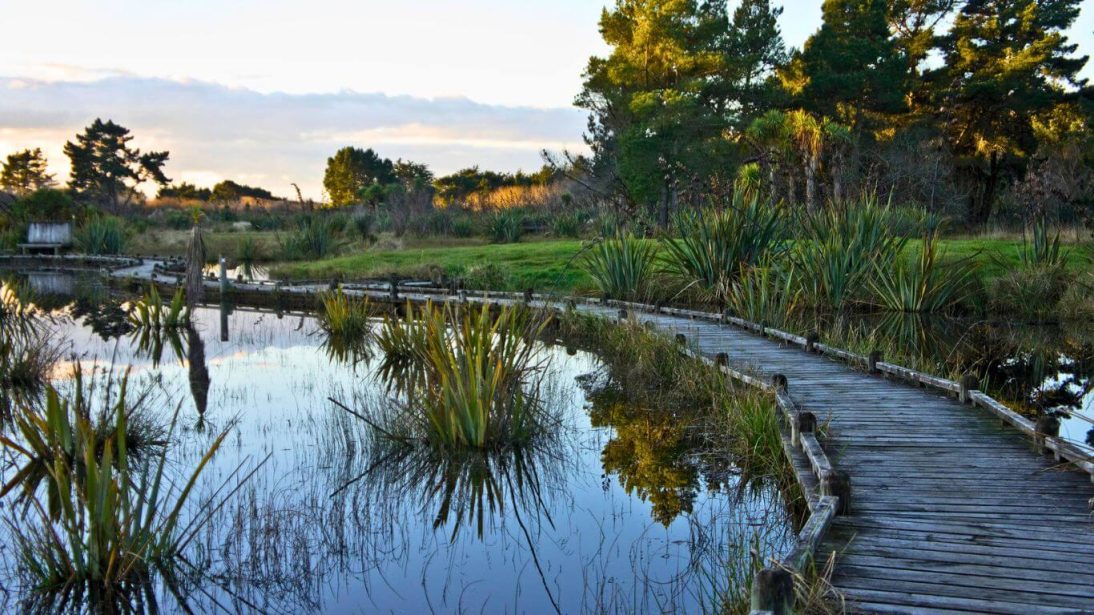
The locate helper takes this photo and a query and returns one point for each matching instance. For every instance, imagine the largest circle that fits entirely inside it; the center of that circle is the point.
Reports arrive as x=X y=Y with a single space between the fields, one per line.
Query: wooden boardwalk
x=951 y=511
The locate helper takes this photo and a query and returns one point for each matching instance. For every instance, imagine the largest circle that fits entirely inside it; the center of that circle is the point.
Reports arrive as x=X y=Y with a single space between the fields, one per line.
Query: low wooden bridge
x=934 y=497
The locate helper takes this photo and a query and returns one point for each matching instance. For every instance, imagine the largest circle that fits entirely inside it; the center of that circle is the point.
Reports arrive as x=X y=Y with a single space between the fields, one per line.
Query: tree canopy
x=106 y=168
x=351 y=171
x=24 y=172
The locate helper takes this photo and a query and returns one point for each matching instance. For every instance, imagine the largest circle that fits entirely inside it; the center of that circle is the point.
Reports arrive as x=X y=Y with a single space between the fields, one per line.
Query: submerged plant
x=621 y=267
x=713 y=247
x=923 y=284
x=150 y=312
x=27 y=352
x=472 y=384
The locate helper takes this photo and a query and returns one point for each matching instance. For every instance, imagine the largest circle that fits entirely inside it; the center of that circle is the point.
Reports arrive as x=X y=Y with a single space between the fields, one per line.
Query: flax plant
x=622 y=267
x=149 y=312
x=344 y=315
x=924 y=284
x=712 y=247
x=474 y=384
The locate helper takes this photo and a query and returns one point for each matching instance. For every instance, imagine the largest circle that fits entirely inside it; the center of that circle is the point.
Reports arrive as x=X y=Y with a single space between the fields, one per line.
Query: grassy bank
x=550 y=264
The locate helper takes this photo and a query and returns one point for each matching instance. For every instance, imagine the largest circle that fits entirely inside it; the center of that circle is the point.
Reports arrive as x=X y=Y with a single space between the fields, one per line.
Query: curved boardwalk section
x=951 y=511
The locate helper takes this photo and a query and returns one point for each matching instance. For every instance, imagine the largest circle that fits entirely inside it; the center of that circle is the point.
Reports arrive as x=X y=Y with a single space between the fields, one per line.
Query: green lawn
x=543 y=265
x=551 y=264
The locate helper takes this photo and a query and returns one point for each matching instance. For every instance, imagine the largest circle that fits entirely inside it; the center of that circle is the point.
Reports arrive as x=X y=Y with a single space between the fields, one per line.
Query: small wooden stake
x=681 y=339
x=779 y=382
x=811 y=341
x=838 y=483
x=721 y=359
x=773 y=591
x=394 y=290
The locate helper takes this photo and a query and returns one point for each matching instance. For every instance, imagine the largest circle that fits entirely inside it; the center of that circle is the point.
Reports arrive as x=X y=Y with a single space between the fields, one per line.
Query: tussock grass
x=112 y=517
x=102 y=235
x=925 y=284
x=344 y=315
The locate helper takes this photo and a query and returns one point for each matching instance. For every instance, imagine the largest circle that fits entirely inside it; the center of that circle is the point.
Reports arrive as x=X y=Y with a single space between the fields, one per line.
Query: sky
x=263 y=91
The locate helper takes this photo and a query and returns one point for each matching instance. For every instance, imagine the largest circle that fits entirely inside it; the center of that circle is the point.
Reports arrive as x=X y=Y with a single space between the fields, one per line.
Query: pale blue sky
x=177 y=72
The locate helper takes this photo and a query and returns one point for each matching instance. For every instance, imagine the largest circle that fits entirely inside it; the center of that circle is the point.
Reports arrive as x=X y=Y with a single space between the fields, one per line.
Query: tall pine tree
x=1006 y=63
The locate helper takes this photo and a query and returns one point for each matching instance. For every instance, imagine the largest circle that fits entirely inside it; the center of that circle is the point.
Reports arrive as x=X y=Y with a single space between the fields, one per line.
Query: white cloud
x=215 y=132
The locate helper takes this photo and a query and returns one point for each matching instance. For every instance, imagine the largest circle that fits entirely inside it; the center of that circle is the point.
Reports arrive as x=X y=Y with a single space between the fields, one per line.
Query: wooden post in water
x=773 y=591
x=838 y=483
x=968 y=384
x=763 y=328
x=528 y=294
x=223 y=276
x=873 y=360
x=779 y=382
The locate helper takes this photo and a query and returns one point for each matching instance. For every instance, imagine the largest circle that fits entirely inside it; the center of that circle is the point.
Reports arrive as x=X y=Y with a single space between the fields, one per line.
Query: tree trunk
x=837 y=178
x=982 y=195
x=810 y=182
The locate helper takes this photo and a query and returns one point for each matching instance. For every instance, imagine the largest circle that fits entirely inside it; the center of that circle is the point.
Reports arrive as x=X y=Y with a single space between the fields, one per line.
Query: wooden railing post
x=779 y=382
x=773 y=591
x=681 y=339
x=873 y=360
x=721 y=359
x=393 y=280
x=968 y=384
x=811 y=341
x=1048 y=425
x=806 y=422
x=838 y=483
x=528 y=294
x=622 y=314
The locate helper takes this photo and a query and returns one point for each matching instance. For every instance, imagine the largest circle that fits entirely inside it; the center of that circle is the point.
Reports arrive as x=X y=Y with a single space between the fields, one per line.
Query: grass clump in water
x=112 y=516
x=345 y=316
x=474 y=384
x=150 y=312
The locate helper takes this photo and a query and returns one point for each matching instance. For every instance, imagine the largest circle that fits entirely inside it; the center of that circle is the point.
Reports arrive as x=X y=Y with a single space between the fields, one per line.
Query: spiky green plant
x=101 y=235
x=149 y=312
x=841 y=248
x=766 y=293
x=109 y=522
x=314 y=238
x=924 y=283
x=712 y=247
x=621 y=267
x=248 y=254
x=474 y=384
x=506 y=226
x=344 y=315
x=1041 y=249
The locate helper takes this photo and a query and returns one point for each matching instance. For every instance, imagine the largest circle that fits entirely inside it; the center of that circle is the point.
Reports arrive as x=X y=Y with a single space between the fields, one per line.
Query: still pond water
x=625 y=512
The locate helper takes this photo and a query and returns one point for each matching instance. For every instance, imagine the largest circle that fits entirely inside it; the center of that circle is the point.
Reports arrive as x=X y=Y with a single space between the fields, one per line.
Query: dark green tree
x=1007 y=63
x=754 y=51
x=352 y=170
x=852 y=68
x=657 y=103
x=107 y=169
x=228 y=191
x=184 y=190
x=24 y=172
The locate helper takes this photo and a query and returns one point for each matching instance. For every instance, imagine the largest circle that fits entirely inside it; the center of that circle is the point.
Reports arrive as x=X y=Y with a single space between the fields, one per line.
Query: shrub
x=313 y=239
x=766 y=293
x=1032 y=293
x=103 y=235
x=566 y=225
x=623 y=267
x=364 y=225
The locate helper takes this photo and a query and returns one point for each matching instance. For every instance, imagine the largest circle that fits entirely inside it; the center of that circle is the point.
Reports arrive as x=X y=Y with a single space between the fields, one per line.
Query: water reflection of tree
x=649 y=453
x=198 y=370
